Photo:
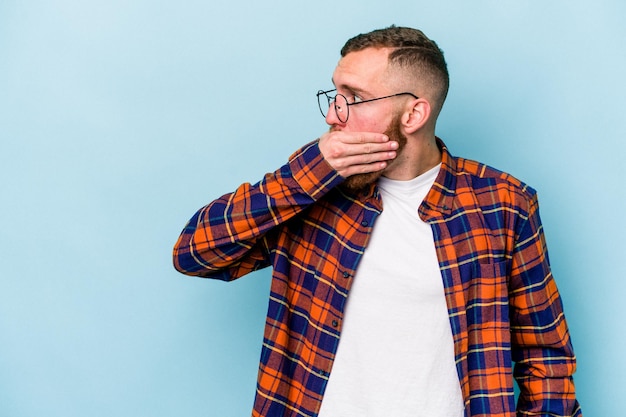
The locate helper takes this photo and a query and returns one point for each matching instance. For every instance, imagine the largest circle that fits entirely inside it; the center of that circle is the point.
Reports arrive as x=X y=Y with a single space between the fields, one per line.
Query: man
x=406 y=282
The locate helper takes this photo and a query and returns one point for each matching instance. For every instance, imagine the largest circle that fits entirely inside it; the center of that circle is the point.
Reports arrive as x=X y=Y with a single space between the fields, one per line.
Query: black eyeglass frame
x=338 y=110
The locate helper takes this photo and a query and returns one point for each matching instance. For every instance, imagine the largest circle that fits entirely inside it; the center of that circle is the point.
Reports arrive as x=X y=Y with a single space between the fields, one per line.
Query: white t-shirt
x=396 y=354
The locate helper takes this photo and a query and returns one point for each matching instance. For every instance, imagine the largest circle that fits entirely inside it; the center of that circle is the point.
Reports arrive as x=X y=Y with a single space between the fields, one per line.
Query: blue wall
x=118 y=119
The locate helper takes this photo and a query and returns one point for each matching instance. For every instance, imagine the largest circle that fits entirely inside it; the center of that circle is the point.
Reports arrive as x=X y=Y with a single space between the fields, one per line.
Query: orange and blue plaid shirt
x=503 y=304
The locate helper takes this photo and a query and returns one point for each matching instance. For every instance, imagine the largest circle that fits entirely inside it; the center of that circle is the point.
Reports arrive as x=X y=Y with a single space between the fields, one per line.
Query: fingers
x=355 y=153
x=360 y=137
x=360 y=165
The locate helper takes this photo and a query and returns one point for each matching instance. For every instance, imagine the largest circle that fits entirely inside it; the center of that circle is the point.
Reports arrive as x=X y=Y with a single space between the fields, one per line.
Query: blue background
x=118 y=119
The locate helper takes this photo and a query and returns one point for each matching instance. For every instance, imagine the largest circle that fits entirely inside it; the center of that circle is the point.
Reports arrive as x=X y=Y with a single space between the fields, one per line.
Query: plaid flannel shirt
x=503 y=304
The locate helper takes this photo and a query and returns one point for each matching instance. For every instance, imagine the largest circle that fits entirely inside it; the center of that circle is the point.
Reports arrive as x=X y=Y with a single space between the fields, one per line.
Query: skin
x=360 y=146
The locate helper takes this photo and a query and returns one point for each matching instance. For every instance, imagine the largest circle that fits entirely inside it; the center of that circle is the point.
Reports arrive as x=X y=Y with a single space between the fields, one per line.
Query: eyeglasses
x=341 y=104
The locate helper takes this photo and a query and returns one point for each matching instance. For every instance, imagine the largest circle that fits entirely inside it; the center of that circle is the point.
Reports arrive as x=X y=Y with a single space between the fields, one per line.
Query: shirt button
x=335 y=323
x=364 y=223
x=346 y=275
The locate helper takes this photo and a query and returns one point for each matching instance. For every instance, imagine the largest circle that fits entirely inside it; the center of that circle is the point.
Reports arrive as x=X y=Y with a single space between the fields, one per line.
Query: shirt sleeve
x=229 y=237
x=541 y=345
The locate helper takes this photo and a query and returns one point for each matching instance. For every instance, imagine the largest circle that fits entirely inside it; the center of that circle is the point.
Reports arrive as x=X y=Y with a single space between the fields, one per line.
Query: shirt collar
x=440 y=198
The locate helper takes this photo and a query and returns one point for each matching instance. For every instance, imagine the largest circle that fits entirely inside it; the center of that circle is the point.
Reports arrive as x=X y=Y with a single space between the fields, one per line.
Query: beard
x=357 y=182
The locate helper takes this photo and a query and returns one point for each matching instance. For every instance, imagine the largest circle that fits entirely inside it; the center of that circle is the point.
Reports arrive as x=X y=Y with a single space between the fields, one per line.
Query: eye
x=354 y=99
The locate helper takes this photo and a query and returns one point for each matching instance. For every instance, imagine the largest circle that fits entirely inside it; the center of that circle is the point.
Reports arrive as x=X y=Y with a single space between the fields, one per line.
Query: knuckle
x=336 y=152
x=365 y=169
x=341 y=165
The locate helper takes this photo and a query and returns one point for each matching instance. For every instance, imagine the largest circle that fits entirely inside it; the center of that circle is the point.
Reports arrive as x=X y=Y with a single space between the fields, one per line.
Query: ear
x=416 y=115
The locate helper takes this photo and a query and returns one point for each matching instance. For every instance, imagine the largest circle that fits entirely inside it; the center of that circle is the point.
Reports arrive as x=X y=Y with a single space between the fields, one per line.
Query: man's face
x=362 y=74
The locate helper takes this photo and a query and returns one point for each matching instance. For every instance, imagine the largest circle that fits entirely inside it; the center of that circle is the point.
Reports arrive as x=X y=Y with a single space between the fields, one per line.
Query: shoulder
x=491 y=186
x=479 y=171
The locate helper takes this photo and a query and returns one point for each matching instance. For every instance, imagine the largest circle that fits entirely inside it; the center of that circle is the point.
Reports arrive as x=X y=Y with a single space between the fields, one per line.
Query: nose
x=331 y=116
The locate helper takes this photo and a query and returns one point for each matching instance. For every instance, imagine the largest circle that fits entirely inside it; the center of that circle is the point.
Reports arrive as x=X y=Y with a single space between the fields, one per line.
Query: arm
x=226 y=239
x=541 y=346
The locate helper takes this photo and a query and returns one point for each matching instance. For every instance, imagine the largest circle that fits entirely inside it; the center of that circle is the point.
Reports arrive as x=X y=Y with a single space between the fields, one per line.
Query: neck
x=418 y=156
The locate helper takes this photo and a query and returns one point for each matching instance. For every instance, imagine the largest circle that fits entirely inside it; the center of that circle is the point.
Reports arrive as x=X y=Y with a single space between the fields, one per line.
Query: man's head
x=414 y=60
x=388 y=62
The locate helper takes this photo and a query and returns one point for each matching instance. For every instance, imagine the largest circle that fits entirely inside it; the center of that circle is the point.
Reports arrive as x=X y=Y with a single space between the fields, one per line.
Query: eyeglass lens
x=337 y=101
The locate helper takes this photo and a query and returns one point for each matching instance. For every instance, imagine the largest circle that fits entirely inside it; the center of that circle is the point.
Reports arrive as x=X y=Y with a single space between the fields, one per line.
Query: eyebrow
x=352 y=89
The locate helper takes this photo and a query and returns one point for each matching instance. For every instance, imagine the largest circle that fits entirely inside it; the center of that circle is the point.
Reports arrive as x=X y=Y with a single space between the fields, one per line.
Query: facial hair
x=357 y=182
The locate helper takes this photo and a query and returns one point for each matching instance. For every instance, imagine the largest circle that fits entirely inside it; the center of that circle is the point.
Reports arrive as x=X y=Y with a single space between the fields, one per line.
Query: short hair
x=412 y=51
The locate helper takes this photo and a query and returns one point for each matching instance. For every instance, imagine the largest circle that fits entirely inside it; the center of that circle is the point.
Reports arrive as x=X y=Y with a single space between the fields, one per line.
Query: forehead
x=361 y=70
